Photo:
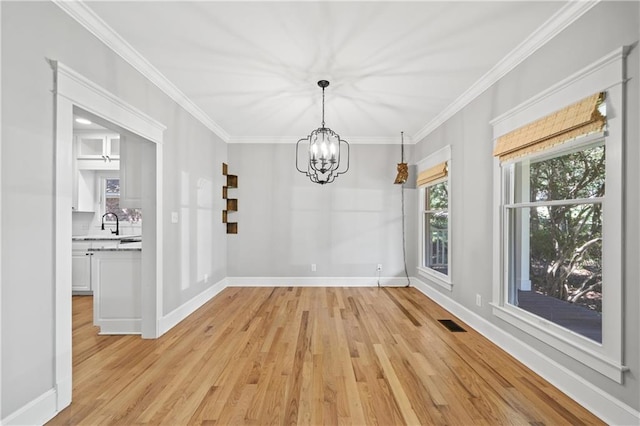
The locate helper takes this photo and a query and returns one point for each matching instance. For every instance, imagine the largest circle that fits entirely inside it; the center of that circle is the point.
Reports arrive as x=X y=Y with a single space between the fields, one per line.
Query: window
x=436 y=228
x=554 y=249
x=558 y=216
x=433 y=181
x=111 y=203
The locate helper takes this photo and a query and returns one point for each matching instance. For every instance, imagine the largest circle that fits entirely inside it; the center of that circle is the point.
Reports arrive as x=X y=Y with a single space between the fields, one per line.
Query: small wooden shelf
x=232 y=181
x=231 y=204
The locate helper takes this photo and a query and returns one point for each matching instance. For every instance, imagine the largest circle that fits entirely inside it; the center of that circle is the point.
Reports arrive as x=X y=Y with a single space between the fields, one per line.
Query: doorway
x=75 y=91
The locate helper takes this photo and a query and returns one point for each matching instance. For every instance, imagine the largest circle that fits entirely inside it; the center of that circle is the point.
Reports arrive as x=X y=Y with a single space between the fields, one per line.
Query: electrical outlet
x=206 y=278
x=379 y=268
x=313 y=267
x=174 y=217
x=478 y=300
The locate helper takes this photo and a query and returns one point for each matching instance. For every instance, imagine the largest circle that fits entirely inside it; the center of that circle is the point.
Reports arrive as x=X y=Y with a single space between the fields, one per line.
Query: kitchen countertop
x=135 y=247
x=101 y=237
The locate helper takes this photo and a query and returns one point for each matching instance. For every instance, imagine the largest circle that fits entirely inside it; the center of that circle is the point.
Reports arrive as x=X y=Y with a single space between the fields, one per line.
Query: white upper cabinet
x=97 y=150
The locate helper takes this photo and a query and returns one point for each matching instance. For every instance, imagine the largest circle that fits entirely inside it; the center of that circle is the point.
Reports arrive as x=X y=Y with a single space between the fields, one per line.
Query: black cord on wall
x=404 y=239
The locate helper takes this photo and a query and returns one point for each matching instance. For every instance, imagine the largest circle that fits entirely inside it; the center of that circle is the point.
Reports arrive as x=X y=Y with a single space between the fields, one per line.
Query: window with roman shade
x=558 y=216
x=578 y=119
x=434 y=249
x=432 y=174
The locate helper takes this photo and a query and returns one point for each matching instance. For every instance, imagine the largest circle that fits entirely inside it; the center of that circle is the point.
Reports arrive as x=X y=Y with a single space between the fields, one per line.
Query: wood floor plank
x=307 y=356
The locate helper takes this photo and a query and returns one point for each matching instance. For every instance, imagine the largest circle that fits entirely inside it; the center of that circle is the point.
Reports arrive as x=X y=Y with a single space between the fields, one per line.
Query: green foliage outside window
x=566 y=240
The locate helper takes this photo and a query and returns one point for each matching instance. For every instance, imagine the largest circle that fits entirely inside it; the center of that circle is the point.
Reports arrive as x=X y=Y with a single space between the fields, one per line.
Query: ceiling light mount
x=324 y=151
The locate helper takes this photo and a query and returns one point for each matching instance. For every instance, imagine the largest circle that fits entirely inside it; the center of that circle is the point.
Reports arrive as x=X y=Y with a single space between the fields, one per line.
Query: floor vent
x=451 y=325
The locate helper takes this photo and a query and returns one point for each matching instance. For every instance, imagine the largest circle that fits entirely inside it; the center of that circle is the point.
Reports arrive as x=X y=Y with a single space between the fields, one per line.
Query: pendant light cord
x=404 y=243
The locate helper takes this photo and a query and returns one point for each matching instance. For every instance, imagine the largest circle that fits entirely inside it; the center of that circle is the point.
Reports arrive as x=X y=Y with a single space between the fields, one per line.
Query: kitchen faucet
x=117 y=231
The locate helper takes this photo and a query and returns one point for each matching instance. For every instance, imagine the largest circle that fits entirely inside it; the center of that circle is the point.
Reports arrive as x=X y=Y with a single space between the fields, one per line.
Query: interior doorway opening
x=75 y=92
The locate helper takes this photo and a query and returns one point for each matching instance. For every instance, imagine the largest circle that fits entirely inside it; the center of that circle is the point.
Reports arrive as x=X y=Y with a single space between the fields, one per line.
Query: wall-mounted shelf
x=231 y=203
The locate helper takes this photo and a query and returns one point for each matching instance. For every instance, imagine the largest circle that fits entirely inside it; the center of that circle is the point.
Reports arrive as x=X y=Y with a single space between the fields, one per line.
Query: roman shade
x=432 y=174
x=576 y=120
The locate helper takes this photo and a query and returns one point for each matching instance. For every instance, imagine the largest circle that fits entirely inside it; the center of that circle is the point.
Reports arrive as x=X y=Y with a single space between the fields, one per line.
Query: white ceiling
x=253 y=67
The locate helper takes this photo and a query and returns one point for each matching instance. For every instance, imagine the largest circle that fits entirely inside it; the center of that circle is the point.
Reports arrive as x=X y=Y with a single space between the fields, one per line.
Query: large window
x=433 y=182
x=559 y=222
x=554 y=235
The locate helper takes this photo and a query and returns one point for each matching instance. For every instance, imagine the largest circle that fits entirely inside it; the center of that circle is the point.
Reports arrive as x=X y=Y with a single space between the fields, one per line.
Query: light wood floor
x=353 y=356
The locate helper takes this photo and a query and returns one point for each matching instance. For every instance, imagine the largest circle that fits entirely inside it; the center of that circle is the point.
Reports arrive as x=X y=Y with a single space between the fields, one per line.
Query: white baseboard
x=316 y=281
x=120 y=326
x=600 y=403
x=37 y=412
x=170 y=320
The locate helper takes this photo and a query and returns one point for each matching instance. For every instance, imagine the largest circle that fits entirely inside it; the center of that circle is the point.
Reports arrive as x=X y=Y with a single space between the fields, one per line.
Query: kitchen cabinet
x=131 y=173
x=117 y=301
x=81 y=277
x=81 y=268
x=97 y=150
x=84 y=189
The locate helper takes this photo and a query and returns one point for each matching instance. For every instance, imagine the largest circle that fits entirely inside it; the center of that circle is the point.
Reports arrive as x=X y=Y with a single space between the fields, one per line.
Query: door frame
x=72 y=89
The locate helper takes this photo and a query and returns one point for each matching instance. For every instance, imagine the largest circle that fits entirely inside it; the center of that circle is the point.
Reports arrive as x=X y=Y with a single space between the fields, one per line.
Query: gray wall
x=31 y=32
x=346 y=228
x=606 y=27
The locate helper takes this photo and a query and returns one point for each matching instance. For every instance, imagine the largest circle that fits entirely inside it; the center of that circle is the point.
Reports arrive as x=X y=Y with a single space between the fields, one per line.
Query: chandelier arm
x=348 y=157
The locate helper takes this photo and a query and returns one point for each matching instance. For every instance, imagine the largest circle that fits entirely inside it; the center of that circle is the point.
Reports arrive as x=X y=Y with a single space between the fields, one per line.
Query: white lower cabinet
x=81 y=264
x=115 y=279
x=80 y=272
x=81 y=267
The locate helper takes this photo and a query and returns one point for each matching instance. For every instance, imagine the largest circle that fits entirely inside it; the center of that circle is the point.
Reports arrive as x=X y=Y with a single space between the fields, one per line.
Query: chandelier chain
x=323 y=107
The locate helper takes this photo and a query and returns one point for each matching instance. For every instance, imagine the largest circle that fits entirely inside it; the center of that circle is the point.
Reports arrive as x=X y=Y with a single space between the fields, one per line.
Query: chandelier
x=324 y=150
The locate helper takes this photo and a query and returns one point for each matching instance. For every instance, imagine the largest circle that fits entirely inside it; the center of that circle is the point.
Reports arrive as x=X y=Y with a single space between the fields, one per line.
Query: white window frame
x=443 y=280
x=608 y=75
x=101 y=181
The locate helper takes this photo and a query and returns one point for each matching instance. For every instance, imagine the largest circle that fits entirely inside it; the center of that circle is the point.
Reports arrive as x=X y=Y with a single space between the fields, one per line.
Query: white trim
x=557 y=336
x=598 y=76
x=352 y=140
x=89 y=96
x=86 y=17
x=437 y=278
x=604 y=74
x=1 y=145
x=73 y=89
x=436 y=157
x=315 y=281
x=172 y=319
x=37 y=412
x=547 y=31
x=600 y=403
x=119 y=326
x=564 y=17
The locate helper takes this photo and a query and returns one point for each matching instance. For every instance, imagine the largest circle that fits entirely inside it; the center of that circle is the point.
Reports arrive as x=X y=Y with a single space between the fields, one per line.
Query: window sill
x=571 y=344
x=441 y=280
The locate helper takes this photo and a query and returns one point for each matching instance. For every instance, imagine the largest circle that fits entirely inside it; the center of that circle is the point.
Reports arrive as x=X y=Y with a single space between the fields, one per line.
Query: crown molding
x=564 y=17
x=355 y=140
x=86 y=17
